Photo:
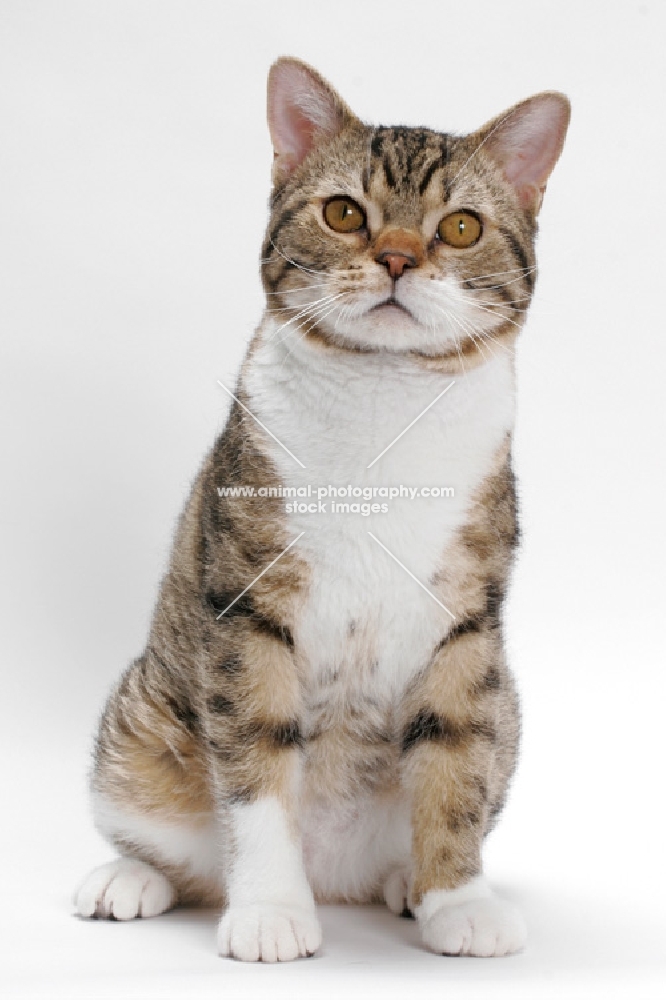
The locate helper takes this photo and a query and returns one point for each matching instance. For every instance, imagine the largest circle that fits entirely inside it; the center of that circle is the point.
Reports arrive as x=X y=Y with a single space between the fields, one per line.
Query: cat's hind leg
x=151 y=800
x=124 y=889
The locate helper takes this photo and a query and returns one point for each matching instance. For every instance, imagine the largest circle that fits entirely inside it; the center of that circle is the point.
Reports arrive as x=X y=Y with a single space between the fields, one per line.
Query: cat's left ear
x=526 y=142
x=303 y=109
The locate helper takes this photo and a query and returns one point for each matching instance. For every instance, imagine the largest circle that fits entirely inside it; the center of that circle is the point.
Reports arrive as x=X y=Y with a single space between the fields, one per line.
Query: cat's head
x=403 y=239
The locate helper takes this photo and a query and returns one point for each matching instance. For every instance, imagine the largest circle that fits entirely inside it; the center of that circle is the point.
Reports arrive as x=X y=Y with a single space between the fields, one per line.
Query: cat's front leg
x=252 y=725
x=271 y=912
x=452 y=751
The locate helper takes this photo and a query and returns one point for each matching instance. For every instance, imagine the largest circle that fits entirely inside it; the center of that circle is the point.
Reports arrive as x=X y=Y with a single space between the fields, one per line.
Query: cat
x=323 y=710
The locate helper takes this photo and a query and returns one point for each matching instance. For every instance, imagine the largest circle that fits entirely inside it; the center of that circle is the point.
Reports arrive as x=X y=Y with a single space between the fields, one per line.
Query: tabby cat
x=323 y=710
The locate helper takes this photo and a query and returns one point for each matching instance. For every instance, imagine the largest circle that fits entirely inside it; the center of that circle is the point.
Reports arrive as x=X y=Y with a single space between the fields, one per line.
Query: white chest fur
x=366 y=625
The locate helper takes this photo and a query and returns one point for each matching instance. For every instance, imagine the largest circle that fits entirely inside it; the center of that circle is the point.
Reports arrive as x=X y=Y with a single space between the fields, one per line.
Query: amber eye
x=343 y=215
x=459 y=230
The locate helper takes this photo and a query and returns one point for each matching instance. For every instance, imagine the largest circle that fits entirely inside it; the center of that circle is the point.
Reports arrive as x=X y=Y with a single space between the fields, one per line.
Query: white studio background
x=134 y=176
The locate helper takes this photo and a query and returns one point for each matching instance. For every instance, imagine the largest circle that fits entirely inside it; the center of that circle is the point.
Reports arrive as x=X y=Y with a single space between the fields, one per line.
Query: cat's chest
x=369 y=620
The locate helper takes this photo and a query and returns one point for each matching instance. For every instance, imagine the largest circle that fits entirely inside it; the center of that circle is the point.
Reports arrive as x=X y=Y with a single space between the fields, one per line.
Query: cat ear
x=526 y=142
x=302 y=110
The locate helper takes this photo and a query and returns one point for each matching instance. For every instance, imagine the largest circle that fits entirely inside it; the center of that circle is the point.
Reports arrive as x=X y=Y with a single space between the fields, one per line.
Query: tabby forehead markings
x=403 y=155
x=436 y=164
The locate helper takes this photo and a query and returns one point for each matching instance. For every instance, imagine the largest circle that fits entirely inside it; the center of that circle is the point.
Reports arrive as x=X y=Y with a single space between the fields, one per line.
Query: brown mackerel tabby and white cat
x=347 y=728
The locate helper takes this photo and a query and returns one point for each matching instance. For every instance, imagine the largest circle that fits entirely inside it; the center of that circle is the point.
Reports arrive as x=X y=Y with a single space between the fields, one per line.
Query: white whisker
x=494 y=312
x=501 y=284
x=311 y=308
x=312 y=323
x=311 y=315
x=473 y=333
x=294 y=263
x=498 y=274
x=301 y=288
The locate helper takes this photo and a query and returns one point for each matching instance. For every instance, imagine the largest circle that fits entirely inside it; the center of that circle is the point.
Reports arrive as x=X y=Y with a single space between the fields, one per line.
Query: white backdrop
x=134 y=175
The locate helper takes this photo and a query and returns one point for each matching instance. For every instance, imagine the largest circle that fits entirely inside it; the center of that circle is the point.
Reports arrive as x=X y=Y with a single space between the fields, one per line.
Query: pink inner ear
x=528 y=143
x=293 y=134
x=301 y=108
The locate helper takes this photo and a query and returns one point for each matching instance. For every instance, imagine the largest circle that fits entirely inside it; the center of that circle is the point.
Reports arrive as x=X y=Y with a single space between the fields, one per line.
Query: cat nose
x=396 y=262
x=398 y=249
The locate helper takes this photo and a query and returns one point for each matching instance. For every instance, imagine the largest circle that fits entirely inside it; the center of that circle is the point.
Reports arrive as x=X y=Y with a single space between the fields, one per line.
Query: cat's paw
x=268 y=933
x=397 y=892
x=463 y=923
x=124 y=889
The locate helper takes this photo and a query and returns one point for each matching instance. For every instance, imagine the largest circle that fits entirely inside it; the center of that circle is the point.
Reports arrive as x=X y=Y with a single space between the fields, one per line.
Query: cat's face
x=403 y=239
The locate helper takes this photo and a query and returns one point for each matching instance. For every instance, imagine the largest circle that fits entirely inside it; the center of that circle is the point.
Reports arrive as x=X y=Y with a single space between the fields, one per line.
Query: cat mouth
x=391 y=303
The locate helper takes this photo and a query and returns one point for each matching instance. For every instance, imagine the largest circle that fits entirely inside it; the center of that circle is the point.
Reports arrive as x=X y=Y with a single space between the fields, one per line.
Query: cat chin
x=390 y=328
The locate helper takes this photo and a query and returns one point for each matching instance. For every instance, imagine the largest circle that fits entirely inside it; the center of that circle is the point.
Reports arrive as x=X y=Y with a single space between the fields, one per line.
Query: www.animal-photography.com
x=332 y=529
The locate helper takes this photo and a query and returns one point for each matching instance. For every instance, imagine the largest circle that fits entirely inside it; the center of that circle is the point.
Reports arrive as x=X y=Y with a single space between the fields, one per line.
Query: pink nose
x=396 y=262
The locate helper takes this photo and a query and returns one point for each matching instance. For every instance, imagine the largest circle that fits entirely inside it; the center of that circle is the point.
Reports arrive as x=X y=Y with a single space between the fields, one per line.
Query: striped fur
x=271 y=749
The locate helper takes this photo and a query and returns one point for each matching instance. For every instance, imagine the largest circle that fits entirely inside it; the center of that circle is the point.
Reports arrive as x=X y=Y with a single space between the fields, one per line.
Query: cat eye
x=460 y=230
x=343 y=215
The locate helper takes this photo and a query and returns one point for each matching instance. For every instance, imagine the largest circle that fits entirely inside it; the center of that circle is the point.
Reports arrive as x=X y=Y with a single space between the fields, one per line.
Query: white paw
x=397 y=891
x=483 y=927
x=124 y=889
x=268 y=933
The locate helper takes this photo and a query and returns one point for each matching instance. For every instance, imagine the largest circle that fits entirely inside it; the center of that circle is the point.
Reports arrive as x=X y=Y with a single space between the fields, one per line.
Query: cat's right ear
x=303 y=109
